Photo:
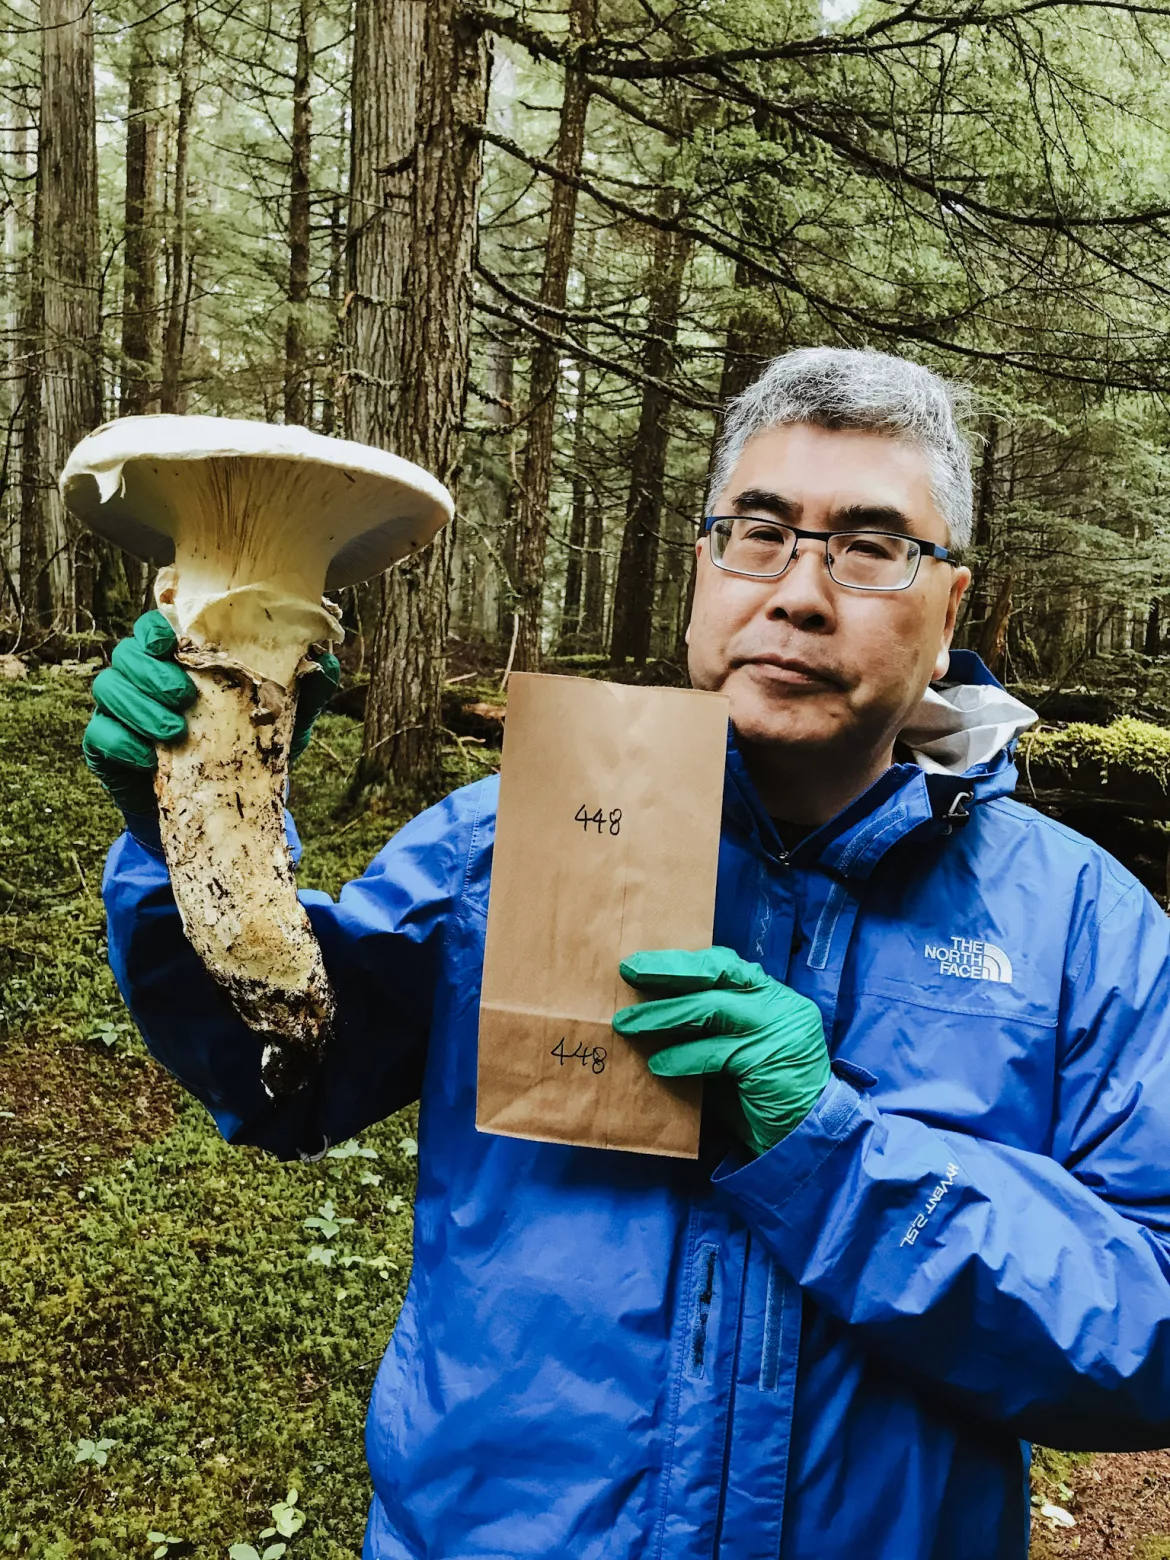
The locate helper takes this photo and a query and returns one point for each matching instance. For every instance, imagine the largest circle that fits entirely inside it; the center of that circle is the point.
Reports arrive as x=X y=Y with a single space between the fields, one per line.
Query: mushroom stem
x=222 y=822
x=221 y=814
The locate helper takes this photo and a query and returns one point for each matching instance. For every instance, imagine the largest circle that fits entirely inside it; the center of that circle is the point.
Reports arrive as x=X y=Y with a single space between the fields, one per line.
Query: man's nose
x=804 y=592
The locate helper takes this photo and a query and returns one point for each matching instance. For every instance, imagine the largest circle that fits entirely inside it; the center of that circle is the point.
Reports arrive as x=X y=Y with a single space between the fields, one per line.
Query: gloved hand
x=726 y=1016
x=140 y=698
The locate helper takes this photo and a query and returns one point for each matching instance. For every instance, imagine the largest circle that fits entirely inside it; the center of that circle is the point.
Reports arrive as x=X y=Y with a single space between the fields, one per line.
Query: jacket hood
x=965 y=722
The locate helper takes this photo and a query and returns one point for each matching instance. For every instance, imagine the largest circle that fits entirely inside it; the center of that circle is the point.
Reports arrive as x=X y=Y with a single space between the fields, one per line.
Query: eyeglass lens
x=867 y=560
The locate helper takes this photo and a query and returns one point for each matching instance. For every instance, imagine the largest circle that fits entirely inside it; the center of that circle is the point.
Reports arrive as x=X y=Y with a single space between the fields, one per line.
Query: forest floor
x=179 y=1350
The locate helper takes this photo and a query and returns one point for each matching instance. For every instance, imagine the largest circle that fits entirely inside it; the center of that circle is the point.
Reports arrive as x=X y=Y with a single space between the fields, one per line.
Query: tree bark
x=1152 y=638
x=140 y=321
x=532 y=510
x=578 y=522
x=336 y=276
x=591 y=635
x=498 y=499
x=419 y=93
x=633 y=608
x=296 y=407
x=69 y=262
x=178 y=268
x=977 y=606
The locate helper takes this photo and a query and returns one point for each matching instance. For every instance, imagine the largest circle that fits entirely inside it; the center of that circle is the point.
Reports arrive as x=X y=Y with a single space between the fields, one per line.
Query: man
x=833 y=1335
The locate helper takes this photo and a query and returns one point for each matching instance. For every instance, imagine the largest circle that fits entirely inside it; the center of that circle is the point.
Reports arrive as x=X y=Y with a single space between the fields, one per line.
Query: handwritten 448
x=593 y=1055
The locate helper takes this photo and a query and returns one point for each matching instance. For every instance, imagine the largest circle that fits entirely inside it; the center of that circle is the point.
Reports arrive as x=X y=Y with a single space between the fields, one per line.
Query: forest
x=534 y=248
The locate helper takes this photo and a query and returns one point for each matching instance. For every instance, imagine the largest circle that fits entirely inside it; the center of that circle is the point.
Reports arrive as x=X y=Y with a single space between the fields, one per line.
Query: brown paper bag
x=607 y=841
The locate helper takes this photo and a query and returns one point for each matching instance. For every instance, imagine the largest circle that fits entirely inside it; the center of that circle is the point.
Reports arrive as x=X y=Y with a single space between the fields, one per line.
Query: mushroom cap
x=125 y=481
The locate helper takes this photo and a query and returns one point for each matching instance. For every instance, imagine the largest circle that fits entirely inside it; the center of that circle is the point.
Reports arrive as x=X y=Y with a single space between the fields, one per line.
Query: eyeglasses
x=859 y=560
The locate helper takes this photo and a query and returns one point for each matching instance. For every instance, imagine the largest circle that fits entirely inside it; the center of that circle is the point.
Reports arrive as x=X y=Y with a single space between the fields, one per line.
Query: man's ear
x=942 y=660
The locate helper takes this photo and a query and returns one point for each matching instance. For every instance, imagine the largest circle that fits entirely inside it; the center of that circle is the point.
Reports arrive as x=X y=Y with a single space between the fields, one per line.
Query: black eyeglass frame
x=925 y=549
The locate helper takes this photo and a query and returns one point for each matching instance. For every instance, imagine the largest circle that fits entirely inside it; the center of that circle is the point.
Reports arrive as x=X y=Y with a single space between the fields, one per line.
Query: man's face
x=807 y=662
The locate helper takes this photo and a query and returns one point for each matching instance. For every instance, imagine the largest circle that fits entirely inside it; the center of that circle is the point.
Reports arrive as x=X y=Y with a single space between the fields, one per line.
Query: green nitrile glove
x=728 y=1017
x=316 y=689
x=140 y=698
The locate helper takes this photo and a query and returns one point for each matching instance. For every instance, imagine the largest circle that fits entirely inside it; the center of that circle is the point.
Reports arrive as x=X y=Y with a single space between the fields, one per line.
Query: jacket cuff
x=784 y=1186
x=143 y=827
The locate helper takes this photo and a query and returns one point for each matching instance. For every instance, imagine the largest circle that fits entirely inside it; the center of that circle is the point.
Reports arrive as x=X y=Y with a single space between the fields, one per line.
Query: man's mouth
x=789 y=671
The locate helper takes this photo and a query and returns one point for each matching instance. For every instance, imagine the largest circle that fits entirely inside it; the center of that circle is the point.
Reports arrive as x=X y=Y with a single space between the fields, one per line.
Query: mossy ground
x=156 y=1287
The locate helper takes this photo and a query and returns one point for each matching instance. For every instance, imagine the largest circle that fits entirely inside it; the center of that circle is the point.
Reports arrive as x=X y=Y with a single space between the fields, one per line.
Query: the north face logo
x=970 y=959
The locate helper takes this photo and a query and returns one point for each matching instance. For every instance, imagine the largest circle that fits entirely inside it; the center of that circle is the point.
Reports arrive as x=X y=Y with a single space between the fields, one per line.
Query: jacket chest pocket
x=972 y=1059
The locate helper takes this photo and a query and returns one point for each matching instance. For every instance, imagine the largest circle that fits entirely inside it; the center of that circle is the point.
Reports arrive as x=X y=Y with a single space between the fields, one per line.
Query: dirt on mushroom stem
x=221 y=816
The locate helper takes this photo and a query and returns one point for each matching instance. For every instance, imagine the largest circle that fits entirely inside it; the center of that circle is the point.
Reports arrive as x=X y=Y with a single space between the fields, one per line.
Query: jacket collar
x=959 y=746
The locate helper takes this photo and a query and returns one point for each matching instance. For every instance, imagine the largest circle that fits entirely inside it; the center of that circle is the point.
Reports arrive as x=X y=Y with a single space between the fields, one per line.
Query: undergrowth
x=179 y=1350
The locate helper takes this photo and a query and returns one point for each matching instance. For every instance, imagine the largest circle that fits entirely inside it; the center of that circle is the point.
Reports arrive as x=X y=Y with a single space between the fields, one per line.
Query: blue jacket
x=837 y=1350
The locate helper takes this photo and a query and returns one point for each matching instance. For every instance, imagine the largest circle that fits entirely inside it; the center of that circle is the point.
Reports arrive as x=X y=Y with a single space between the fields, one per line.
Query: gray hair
x=839 y=387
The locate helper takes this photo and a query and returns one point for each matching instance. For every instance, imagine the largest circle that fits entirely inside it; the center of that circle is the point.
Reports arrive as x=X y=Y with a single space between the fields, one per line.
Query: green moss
x=1130 y=745
x=1154 y=1547
x=156 y=1287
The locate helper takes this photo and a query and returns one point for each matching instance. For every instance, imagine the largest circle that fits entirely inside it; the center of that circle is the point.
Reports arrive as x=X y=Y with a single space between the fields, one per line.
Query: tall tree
x=140 y=317
x=420 y=83
x=578 y=519
x=296 y=408
x=69 y=266
x=178 y=261
x=532 y=507
x=634 y=594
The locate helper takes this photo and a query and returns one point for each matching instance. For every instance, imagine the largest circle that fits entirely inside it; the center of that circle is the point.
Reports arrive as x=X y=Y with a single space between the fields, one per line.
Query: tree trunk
x=1152 y=639
x=993 y=638
x=19 y=221
x=296 y=408
x=498 y=502
x=633 y=607
x=178 y=268
x=578 y=523
x=140 y=323
x=34 y=574
x=69 y=261
x=977 y=601
x=336 y=275
x=532 y=512
x=419 y=94
x=591 y=634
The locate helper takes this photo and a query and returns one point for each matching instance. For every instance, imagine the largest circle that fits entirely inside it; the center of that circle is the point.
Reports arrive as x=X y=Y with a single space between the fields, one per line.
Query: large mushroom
x=251 y=523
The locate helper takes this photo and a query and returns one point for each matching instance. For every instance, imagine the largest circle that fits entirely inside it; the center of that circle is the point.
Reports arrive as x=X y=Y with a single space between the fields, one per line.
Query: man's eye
x=762 y=533
x=871 y=547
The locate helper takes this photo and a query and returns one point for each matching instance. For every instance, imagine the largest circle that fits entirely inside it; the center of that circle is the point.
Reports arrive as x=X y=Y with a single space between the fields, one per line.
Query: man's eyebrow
x=870 y=517
x=771 y=503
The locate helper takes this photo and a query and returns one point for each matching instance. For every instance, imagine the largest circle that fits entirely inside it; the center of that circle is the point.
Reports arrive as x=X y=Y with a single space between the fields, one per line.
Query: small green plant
x=351 y=1150
x=287 y=1521
x=327 y=1220
x=163 y=1542
x=109 y=1032
x=93 y=1451
x=287 y=1517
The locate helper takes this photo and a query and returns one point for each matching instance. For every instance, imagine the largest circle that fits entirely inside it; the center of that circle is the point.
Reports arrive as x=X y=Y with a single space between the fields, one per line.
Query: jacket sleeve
x=1032 y=1289
x=382 y=945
